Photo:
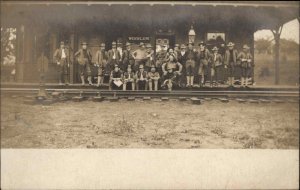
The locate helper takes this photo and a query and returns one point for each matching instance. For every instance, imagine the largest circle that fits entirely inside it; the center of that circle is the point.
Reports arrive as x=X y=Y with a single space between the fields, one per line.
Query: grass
x=264 y=72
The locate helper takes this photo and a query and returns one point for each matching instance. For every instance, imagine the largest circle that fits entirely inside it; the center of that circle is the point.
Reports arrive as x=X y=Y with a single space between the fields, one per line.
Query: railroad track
x=294 y=94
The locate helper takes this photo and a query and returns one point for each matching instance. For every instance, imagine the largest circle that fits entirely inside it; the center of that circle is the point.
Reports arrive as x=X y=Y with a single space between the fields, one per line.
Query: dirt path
x=149 y=124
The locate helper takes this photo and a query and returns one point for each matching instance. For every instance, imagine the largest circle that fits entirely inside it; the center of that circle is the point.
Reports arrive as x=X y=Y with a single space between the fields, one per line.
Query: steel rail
x=161 y=93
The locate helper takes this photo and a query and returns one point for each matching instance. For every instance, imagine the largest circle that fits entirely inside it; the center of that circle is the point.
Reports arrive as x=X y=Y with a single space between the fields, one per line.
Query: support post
x=277 y=34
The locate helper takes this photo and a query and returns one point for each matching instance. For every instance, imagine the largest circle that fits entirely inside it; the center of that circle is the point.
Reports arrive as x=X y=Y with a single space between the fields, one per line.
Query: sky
x=290 y=30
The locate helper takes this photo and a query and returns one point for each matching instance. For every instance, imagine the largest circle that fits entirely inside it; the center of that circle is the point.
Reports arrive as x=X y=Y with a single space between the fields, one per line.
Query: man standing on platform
x=230 y=59
x=150 y=57
x=127 y=57
x=61 y=57
x=140 y=56
x=101 y=62
x=246 y=61
x=113 y=57
x=191 y=57
x=84 y=59
x=203 y=57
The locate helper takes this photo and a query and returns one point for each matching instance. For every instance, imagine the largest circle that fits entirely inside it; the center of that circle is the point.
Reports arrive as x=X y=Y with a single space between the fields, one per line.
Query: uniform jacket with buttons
x=138 y=75
x=243 y=59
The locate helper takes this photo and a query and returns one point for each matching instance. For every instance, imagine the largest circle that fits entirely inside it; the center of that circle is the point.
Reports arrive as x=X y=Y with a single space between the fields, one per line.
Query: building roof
x=252 y=15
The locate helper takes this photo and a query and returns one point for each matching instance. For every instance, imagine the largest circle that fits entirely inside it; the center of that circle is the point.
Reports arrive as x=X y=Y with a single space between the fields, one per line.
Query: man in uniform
x=61 y=57
x=127 y=57
x=161 y=58
x=230 y=59
x=129 y=77
x=115 y=77
x=84 y=59
x=246 y=62
x=101 y=62
x=113 y=58
x=140 y=56
x=181 y=57
x=190 y=64
x=203 y=58
x=141 y=77
x=150 y=57
x=153 y=77
x=172 y=70
x=120 y=50
x=216 y=63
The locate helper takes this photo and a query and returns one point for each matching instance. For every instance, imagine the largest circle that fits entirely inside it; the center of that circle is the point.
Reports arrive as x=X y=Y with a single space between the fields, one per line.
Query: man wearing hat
x=113 y=57
x=172 y=70
x=191 y=57
x=161 y=58
x=230 y=60
x=61 y=57
x=153 y=77
x=141 y=77
x=150 y=57
x=203 y=59
x=216 y=63
x=84 y=59
x=140 y=56
x=101 y=62
x=246 y=63
x=115 y=78
x=129 y=77
x=128 y=57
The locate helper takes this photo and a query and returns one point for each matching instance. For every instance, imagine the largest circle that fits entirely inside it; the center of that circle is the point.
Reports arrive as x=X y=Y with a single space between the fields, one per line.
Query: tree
x=262 y=45
x=8 y=43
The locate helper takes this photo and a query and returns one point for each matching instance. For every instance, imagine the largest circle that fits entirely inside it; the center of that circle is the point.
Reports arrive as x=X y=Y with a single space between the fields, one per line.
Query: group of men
x=145 y=68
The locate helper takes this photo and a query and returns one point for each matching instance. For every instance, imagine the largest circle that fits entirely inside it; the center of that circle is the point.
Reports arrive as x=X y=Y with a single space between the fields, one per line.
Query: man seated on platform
x=129 y=78
x=153 y=77
x=115 y=78
x=141 y=78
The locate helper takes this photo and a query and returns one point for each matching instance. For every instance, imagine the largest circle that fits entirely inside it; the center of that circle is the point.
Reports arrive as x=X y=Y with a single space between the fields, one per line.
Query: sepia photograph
x=133 y=80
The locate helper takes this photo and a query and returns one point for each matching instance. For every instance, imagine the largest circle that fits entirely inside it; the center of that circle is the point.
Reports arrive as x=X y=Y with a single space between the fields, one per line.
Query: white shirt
x=63 y=54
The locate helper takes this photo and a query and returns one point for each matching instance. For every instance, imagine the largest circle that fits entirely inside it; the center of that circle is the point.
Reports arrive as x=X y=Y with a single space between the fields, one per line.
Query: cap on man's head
x=142 y=44
x=128 y=44
x=113 y=43
x=116 y=66
x=102 y=45
x=83 y=43
x=148 y=46
x=141 y=66
x=246 y=47
x=230 y=44
x=215 y=48
x=182 y=46
x=153 y=66
x=62 y=43
x=202 y=43
x=176 y=45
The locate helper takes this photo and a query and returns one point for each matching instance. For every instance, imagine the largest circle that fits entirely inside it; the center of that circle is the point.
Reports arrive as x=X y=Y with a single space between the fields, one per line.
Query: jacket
x=101 y=58
x=111 y=54
x=245 y=59
x=82 y=55
x=216 y=61
x=227 y=56
x=58 y=55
